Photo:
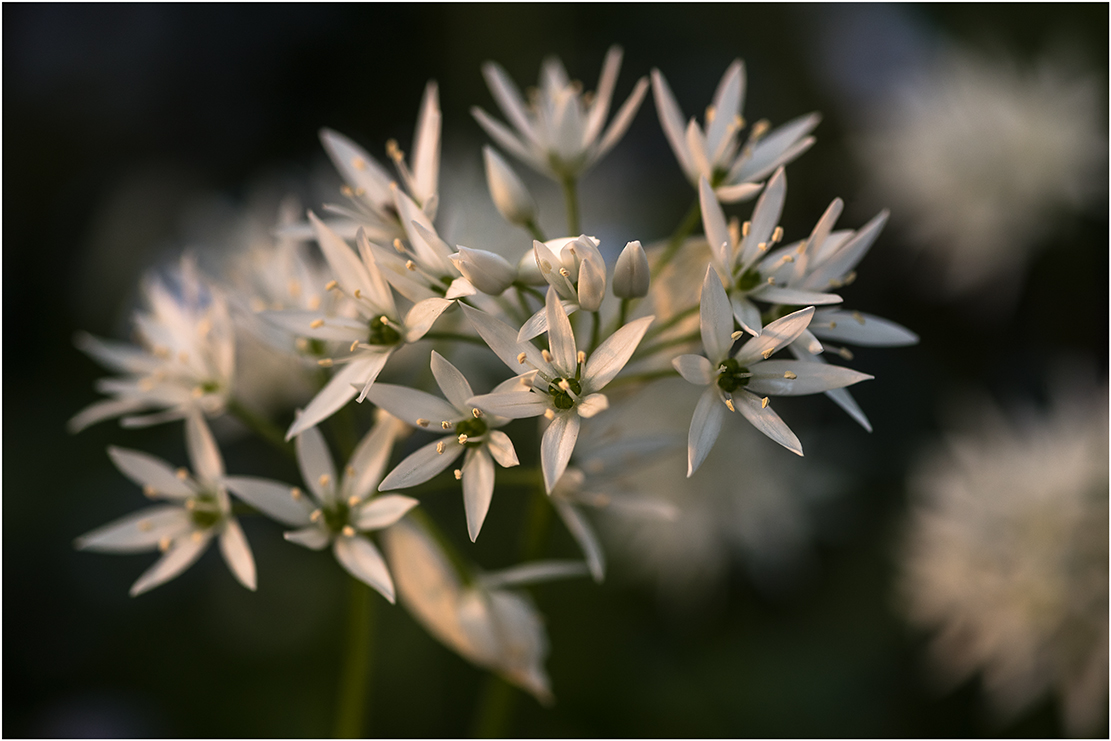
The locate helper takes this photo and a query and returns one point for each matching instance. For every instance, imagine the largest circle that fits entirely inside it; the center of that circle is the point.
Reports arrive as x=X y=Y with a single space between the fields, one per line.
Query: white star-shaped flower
x=198 y=508
x=743 y=380
x=341 y=511
x=574 y=267
x=560 y=383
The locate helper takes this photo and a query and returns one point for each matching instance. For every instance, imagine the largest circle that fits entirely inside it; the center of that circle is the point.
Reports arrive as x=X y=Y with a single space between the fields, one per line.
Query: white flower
x=715 y=153
x=186 y=360
x=471 y=431
x=489 y=272
x=199 y=509
x=574 y=267
x=1006 y=558
x=509 y=194
x=560 y=383
x=559 y=132
x=342 y=511
x=740 y=381
x=631 y=274
x=484 y=623
x=978 y=156
x=372 y=338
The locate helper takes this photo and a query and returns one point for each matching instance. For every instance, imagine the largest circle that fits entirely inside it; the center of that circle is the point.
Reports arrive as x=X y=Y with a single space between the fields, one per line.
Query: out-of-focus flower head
x=977 y=156
x=1005 y=559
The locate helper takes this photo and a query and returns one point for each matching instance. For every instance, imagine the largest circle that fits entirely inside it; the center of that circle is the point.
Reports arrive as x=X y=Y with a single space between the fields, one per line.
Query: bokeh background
x=126 y=128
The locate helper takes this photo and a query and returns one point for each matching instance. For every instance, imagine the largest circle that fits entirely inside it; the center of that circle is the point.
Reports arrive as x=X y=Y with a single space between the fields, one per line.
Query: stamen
x=710 y=113
x=421 y=422
x=330 y=285
x=564 y=385
x=445 y=425
x=302 y=344
x=149 y=491
x=463 y=439
x=759 y=129
x=777 y=234
x=352 y=501
x=564 y=272
x=348 y=531
x=316 y=323
x=384 y=319
x=833 y=325
x=790 y=375
x=549 y=414
x=845 y=352
x=190 y=504
x=146 y=384
x=358 y=293
x=181 y=474
x=358 y=163
x=736 y=335
x=458 y=474
x=771 y=280
x=349 y=471
x=768 y=353
x=325 y=362
x=410 y=265
x=197 y=536
x=546 y=355
x=440 y=448
x=160 y=352
x=729 y=404
x=745 y=227
x=858 y=317
x=764 y=403
x=354 y=345
x=398 y=246
x=763 y=246
x=145 y=526
x=314 y=303
x=521 y=358
x=183 y=356
x=849 y=278
x=476 y=412
x=164 y=544
x=346 y=190
x=581 y=357
x=324 y=479
x=316 y=515
x=295 y=494
x=394 y=151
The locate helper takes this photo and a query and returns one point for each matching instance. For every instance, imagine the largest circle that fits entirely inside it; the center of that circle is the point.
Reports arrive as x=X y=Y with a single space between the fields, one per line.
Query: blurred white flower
x=509 y=194
x=977 y=156
x=182 y=530
x=185 y=361
x=559 y=132
x=1006 y=557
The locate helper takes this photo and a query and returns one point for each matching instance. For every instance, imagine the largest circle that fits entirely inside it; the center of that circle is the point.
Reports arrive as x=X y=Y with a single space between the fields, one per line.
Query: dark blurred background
x=120 y=119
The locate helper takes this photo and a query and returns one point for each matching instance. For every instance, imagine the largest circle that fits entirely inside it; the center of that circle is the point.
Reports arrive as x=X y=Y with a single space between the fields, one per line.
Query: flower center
x=561 y=399
x=472 y=428
x=381 y=333
x=749 y=279
x=732 y=375
x=204 y=511
x=336 y=515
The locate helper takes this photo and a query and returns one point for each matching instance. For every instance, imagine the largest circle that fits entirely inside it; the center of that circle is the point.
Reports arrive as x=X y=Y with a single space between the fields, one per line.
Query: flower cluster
x=369 y=289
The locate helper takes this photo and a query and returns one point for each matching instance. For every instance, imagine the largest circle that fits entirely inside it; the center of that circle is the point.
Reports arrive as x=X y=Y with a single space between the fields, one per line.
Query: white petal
x=478 y=488
x=102 y=410
x=847 y=255
x=765 y=217
x=612 y=355
x=139 y=531
x=341 y=328
x=501 y=447
x=510 y=143
x=793 y=296
x=380 y=294
x=431 y=251
x=603 y=94
x=592 y=405
x=671 y=120
x=766 y=420
x=705 y=426
x=422 y=464
x=809 y=378
x=237 y=554
x=532 y=573
x=338 y=391
x=508 y=97
x=181 y=556
x=453 y=383
x=272 y=498
x=409 y=404
x=561 y=340
x=747 y=315
x=348 y=270
x=462 y=286
x=316 y=463
x=312 y=537
x=357 y=167
x=426 y=144
x=696 y=146
x=844 y=399
x=694 y=368
x=737 y=193
x=861 y=329
x=116 y=356
x=361 y=558
x=502 y=339
x=779 y=147
x=715 y=317
x=423 y=314
x=592 y=285
x=776 y=335
x=808 y=342
x=509 y=194
x=383 y=511
x=622 y=119
x=146 y=470
x=370 y=458
x=202 y=450
x=511 y=404
x=727 y=105
x=584 y=535
x=717 y=231
x=537 y=324
x=556 y=447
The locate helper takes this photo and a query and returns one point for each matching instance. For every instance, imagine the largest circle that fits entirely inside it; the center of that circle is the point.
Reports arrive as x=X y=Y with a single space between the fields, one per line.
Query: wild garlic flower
x=197 y=509
x=559 y=131
x=560 y=383
x=341 y=511
x=1005 y=559
x=574 y=268
x=631 y=274
x=185 y=359
x=742 y=381
x=509 y=194
x=378 y=331
x=715 y=153
x=469 y=430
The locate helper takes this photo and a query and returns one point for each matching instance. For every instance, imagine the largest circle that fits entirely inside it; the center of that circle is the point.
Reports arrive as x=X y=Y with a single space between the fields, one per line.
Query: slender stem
x=453 y=337
x=357 y=658
x=494 y=709
x=534 y=230
x=644 y=351
x=261 y=426
x=670 y=322
x=571 y=199
x=595 y=329
x=623 y=312
x=536 y=529
x=686 y=226
x=642 y=377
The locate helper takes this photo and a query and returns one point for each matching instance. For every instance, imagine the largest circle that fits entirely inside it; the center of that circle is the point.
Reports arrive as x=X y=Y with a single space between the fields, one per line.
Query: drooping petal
x=612 y=355
x=146 y=470
x=502 y=339
x=478 y=488
x=591 y=405
x=317 y=467
x=671 y=120
x=561 y=339
x=423 y=314
x=764 y=418
x=363 y=561
x=584 y=535
x=453 y=383
x=274 y=499
x=411 y=405
x=181 y=556
x=138 y=531
x=705 y=426
x=314 y=538
x=237 y=554
x=208 y=465
x=860 y=329
x=511 y=404
x=798 y=377
x=776 y=335
x=532 y=572
x=422 y=464
x=715 y=317
x=501 y=447
x=383 y=511
x=694 y=368
x=338 y=391
x=556 y=447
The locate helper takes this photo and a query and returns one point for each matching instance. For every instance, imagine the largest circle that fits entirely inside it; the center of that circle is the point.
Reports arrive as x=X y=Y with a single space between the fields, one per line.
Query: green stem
x=670 y=322
x=494 y=709
x=453 y=337
x=595 y=329
x=644 y=351
x=641 y=377
x=686 y=226
x=623 y=313
x=571 y=199
x=355 y=680
x=261 y=426
x=534 y=230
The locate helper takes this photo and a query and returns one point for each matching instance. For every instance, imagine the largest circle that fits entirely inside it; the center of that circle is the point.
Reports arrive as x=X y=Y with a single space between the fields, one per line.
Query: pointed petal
x=426 y=144
x=507 y=141
x=561 y=340
x=715 y=318
x=622 y=120
x=138 y=531
x=340 y=328
x=592 y=405
x=671 y=120
x=461 y=287
x=422 y=464
x=453 y=383
x=508 y=97
x=380 y=294
x=423 y=314
x=737 y=193
x=596 y=118
x=146 y=470
x=612 y=355
x=511 y=404
x=316 y=464
x=776 y=335
x=272 y=498
x=181 y=556
x=847 y=256
x=363 y=561
x=237 y=554
x=771 y=378
x=747 y=315
x=696 y=146
x=860 y=329
x=410 y=405
x=502 y=339
x=583 y=534
x=844 y=399
x=694 y=368
x=312 y=537
x=556 y=447
x=383 y=511
x=478 y=488
x=793 y=296
x=717 y=231
x=358 y=168
x=501 y=448
x=705 y=426
x=202 y=450
x=766 y=420
x=808 y=342
x=765 y=217
x=115 y=356
x=532 y=573
x=779 y=147
x=338 y=391
x=102 y=410
x=727 y=105
x=348 y=270
x=537 y=324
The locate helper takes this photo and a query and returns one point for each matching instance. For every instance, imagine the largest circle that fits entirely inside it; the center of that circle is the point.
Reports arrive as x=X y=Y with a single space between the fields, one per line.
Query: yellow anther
x=858 y=317
x=149 y=491
x=846 y=353
x=764 y=403
x=549 y=414
x=358 y=293
x=790 y=375
x=316 y=323
x=394 y=151
x=183 y=356
x=476 y=412
x=324 y=479
x=564 y=272
x=330 y=285
x=354 y=345
x=601 y=501
x=301 y=344
x=463 y=439
x=146 y=384
x=771 y=280
x=745 y=227
x=325 y=362
x=458 y=474
x=348 y=531
x=257 y=305
x=164 y=544
x=360 y=191
x=295 y=494
x=835 y=283
x=190 y=504
x=729 y=403
x=833 y=325
x=777 y=234
x=849 y=278
x=739 y=121
x=563 y=384
x=181 y=474
x=763 y=246
x=736 y=335
x=759 y=129
x=294 y=288
x=546 y=355
x=313 y=303
x=349 y=472
x=385 y=320
x=768 y=353
x=445 y=425
x=145 y=526
x=788 y=258
x=521 y=358
x=352 y=501
x=440 y=448
x=581 y=357
x=160 y=352
x=197 y=536
x=316 y=515
x=346 y=190
x=421 y=422
x=358 y=163
x=410 y=265
x=711 y=112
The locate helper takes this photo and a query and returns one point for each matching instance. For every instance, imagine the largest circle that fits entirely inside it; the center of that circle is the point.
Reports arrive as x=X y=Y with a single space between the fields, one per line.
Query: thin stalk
x=494 y=709
x=645 y=351
x=571 y=199
x=534 y=230
x=642 y=377
x=357 y=659
x=453 y=337
x=670 y=322
x=262 y=427
x=686 y=226
x=595 y=329
x=623 y=312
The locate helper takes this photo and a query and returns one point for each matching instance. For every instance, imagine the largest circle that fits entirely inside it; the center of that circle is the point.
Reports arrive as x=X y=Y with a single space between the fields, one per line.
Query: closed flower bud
x=630 y=276
x=510 y=196
x=592 y=284
x=489 y=273
x=528 y=272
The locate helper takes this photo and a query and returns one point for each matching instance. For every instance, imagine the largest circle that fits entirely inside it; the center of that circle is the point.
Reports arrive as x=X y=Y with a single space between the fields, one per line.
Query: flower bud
x=592 y=285
x=528 y=272
x=510 y=196
x=630 y=277
x=489 y=273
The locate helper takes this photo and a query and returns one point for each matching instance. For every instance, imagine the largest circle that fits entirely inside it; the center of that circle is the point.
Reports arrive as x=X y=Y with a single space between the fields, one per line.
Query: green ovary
x=560 y=398
x=732 y=376
x=472 y=428
x=382 y=333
